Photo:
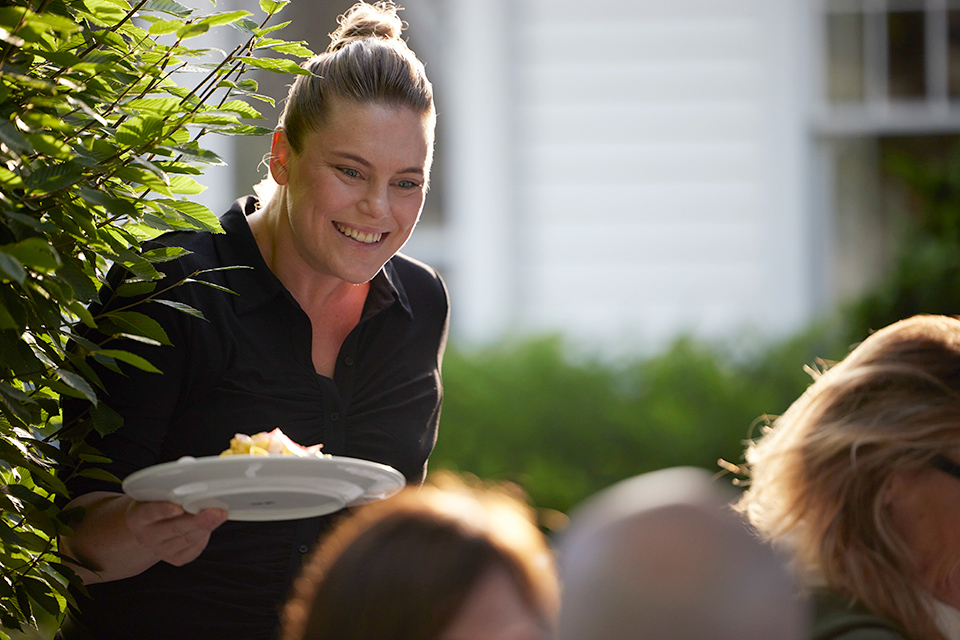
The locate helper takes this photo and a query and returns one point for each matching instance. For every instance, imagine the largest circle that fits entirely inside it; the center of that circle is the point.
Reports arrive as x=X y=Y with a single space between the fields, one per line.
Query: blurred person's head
x=450 y=561
x=662 y=556
x=856 y=479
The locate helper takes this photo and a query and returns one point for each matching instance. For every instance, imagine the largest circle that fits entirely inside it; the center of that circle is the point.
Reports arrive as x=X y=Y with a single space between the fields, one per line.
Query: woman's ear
x=279 y=156
x=894 y=488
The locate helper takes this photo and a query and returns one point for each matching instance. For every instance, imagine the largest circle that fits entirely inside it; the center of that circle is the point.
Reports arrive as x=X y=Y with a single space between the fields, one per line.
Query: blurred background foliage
x=564 y=427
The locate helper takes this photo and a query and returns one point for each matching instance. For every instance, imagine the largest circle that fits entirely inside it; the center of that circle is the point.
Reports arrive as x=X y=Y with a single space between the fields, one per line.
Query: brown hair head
x=818 y=477
x=402 y=568
x=366 y=62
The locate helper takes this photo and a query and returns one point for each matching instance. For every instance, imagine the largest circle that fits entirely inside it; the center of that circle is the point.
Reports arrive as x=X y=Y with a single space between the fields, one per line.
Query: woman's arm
x=119 y=537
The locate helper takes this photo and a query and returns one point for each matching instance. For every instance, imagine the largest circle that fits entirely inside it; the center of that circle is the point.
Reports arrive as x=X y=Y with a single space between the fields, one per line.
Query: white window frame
x=877 y=113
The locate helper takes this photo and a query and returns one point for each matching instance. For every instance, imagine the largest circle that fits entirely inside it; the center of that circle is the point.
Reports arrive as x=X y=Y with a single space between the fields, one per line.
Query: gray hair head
x=661 y=556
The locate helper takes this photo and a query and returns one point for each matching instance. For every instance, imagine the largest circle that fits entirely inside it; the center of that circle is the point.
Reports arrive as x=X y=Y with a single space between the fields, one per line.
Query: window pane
x=845 y=57
x=906 y=55
x=954 y=59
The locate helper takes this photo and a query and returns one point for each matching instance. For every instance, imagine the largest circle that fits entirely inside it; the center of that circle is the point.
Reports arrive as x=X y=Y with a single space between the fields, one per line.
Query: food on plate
x=270 y=442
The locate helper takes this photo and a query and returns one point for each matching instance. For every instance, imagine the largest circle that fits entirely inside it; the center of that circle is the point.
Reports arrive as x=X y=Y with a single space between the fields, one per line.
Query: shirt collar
x=258 y=286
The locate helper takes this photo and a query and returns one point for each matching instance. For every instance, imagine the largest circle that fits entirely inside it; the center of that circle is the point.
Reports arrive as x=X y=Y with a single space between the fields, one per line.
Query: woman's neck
x=314 y=291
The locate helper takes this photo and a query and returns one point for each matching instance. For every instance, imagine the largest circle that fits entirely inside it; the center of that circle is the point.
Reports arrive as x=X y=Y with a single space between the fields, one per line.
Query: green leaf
x=276 y=65
x=136 y=288
x=163 y=27
x=40 y=593
x=10 y=17
x=71 y=271
x=80 y=310
x=143 y=177
x=194 y=154
x=139 y=130
x=9 y=180
x=6 y=320
x=77 y=383
x=99 y=474
x=113 y=205
x=192 y=30
x=9 y=536
x=273 y=6
x=246 y=130
x=105 y=420
x=33 y=253
x=185 y=185
x=294 y=49
x=241 y=107
x=138 y=324
x=16 y=402
x=164 y=254
x=179 y=306
x=11 y=136
x=226 y=17
x=53 y=21
x=246 y=25
x=168 y=6
x=267 y=30
x=51 y=178
x=51 y=146
x=12 y=268
x=106 y=13
x=199 y=215
x=160 y=107
x=131 y=359
x=211 y=285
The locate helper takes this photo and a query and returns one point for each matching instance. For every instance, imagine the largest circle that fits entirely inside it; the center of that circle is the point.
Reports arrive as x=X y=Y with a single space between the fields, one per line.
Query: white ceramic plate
x=273 y=487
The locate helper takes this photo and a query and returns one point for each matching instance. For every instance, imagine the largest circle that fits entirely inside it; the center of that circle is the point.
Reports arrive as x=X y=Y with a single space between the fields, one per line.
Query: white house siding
x=642 y=172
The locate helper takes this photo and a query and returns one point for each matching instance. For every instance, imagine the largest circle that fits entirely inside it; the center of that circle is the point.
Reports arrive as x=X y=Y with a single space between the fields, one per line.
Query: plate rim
x=185 y=462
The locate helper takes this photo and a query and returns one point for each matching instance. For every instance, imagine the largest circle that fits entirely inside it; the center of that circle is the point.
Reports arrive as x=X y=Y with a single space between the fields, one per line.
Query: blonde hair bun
x=363 y=20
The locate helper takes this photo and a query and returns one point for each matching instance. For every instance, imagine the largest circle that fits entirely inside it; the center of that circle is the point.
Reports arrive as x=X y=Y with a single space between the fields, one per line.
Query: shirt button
x=334 y=416
x=303 y=548
x=348 y=361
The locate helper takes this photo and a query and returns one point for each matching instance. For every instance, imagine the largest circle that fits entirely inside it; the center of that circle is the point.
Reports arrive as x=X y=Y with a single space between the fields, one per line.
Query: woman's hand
x=119 y=537
x=168 y=532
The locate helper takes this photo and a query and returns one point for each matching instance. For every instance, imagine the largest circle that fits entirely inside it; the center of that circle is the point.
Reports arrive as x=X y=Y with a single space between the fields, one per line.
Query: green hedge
x=563 y=429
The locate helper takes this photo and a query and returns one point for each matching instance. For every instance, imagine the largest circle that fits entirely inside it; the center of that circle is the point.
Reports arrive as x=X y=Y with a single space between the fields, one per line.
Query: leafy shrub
x=563 y=430
x=99 y=150
x=926 y=275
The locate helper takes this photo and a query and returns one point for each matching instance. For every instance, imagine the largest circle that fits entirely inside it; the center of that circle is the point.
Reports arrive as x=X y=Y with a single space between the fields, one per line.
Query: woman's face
x=495 y=610
x=355 y=191
x=925 y=510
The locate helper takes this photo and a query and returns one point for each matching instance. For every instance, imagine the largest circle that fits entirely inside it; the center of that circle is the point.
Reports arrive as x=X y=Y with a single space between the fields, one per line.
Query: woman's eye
x=408 y=184
x=350 y=173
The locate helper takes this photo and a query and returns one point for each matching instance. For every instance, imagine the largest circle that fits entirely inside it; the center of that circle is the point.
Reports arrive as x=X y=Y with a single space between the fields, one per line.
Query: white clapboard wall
x=628 y=176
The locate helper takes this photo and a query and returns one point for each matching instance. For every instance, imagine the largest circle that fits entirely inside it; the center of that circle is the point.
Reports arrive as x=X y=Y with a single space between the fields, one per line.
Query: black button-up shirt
x=248 y=368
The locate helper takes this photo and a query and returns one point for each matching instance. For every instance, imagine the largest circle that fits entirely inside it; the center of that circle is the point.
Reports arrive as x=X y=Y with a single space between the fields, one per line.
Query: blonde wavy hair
x=818 y=477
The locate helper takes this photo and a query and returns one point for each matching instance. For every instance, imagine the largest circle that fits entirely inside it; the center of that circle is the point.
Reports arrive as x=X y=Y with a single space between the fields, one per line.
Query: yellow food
x=269 y=442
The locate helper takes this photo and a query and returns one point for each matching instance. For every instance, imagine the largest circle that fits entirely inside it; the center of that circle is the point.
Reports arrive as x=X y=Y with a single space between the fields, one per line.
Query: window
x=891 y=51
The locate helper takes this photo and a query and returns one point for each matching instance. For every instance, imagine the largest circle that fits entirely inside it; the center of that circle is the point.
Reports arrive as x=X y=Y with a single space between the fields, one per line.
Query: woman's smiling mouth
x=359 y=236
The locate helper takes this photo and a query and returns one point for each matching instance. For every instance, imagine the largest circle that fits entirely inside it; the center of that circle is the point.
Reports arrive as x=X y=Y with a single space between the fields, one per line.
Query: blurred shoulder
x=837 y=618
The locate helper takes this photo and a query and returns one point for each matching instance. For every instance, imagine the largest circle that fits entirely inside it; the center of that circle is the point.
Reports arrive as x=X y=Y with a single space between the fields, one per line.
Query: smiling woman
x=334 y=337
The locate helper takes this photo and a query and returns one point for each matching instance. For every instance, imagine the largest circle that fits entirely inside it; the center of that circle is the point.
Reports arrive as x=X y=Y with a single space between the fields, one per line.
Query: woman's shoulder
x=837 y=618
x=420 y=280
x=412 y=269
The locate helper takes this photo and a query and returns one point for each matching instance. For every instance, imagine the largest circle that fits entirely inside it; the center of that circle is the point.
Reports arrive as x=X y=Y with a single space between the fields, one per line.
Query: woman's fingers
x=170 y=533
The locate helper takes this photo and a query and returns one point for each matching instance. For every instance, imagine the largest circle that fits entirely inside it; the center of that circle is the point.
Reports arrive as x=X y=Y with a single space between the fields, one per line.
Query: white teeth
x=366 y=238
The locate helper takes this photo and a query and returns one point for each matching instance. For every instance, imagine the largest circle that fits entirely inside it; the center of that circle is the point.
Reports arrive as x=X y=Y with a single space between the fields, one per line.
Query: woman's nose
x=376 y=201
